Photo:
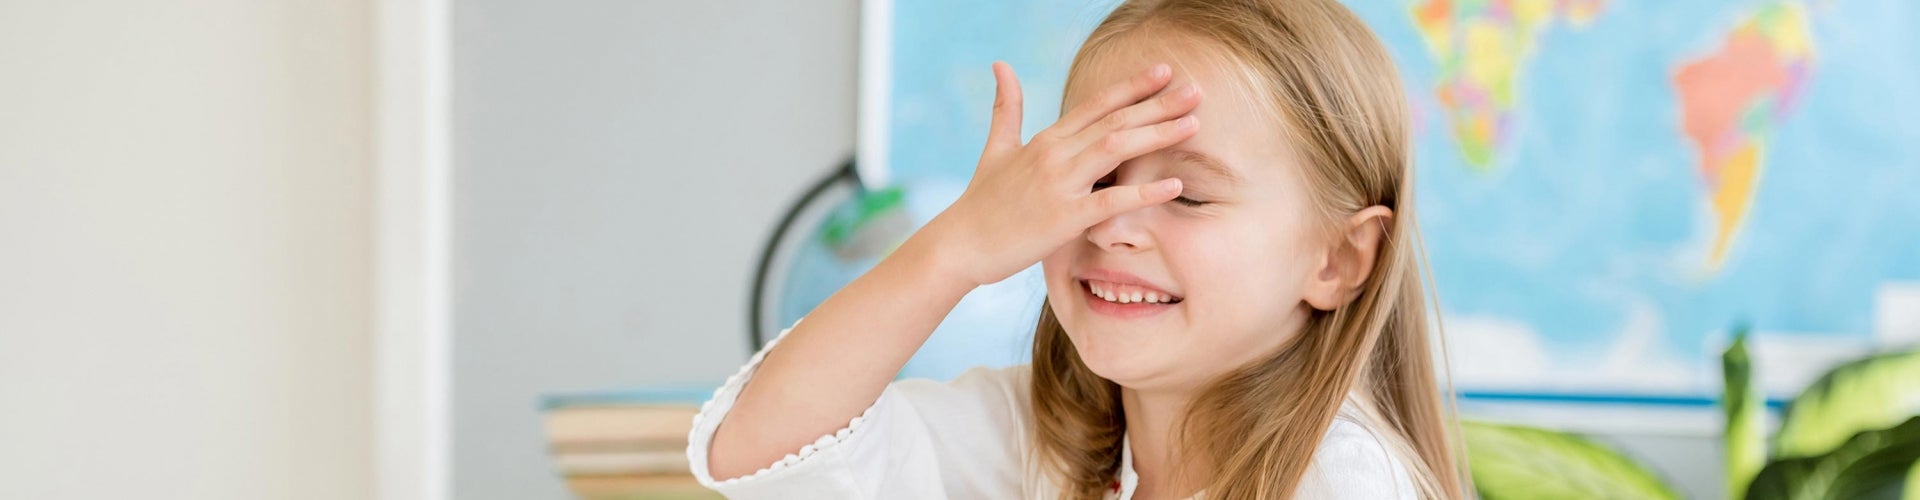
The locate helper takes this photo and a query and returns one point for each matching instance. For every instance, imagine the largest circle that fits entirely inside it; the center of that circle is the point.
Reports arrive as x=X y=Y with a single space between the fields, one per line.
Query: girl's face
x=1235 y=253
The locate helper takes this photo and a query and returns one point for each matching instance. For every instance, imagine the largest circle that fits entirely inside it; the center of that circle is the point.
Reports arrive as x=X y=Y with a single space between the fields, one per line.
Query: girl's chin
x=1120 y=362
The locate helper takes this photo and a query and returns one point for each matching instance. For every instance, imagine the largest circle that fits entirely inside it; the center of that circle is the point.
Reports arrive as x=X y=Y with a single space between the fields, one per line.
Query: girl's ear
x=1349 y=259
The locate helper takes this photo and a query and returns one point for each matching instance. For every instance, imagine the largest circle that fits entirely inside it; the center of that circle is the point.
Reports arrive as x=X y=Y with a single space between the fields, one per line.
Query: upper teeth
x=1108 y=291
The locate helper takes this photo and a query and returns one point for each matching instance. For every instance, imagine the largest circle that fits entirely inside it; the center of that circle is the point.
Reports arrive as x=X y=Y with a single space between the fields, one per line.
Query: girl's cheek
x=1056 y=268
x=1209 y=248
x=1193 y=252
x=1064 y=256
x=1190 y=234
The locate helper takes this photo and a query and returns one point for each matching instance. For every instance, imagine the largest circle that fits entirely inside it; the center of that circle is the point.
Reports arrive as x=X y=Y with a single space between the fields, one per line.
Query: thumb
x=1004 y=130
x=1106 y=203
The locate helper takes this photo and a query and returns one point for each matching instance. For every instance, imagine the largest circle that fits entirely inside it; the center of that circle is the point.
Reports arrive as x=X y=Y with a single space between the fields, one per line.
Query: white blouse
x=969 y=438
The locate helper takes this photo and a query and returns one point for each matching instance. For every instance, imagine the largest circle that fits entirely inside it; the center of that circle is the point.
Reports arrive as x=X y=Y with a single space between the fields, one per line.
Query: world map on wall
x=1606 y=188
x=1728 y=98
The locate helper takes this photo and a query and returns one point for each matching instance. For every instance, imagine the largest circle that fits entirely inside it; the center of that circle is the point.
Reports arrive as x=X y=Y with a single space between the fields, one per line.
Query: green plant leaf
x=1872 y=393
x=1511 y=462
x=1746 y=437
x=1872 y=464
x=1913 y=482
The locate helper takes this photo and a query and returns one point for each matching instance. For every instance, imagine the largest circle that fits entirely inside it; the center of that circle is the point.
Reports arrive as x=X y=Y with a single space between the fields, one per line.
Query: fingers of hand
x=1118 y=96
x=1128 y=144
x=1106 y=203
x=1005 y=128
x=1168 y=106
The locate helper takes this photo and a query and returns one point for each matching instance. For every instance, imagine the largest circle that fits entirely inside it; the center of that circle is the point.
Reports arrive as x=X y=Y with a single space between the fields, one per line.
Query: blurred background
x=498 y=249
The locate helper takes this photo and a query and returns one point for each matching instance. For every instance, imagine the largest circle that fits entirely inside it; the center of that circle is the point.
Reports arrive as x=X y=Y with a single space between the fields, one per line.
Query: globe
x=841 y=229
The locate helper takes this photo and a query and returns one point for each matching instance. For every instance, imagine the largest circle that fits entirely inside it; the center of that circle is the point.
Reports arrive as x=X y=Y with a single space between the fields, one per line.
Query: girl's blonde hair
x=1337 y=95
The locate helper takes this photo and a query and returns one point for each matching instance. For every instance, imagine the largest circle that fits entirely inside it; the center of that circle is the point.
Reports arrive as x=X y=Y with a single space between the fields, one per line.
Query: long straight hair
x=1338 y=97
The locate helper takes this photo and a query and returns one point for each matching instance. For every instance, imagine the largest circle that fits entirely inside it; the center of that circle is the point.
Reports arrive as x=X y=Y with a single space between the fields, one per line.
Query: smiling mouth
x=1128 y=294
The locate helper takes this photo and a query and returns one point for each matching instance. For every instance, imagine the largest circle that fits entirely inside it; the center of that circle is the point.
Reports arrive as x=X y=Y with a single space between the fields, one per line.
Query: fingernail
x=1186 y=122
x=1161 y=70
x=1189 y=91
x=1169 y=186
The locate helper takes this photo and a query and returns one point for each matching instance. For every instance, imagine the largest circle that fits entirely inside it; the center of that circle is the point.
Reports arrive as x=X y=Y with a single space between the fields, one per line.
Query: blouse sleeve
x=1352 y=463
x=919 y=439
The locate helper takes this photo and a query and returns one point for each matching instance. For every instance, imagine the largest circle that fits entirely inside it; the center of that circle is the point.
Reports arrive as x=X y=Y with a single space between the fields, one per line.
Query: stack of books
x=625 y=445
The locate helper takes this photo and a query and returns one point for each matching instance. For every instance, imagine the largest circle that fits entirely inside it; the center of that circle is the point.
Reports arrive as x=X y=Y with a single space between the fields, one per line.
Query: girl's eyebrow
x=1206 y=164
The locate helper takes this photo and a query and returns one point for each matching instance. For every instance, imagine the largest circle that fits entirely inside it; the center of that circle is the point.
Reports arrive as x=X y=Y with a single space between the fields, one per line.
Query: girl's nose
x=1124 y=233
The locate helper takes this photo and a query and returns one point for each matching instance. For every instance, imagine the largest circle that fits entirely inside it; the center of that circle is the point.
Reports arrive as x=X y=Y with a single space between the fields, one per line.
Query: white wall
x=185 y=249
x=617 y=165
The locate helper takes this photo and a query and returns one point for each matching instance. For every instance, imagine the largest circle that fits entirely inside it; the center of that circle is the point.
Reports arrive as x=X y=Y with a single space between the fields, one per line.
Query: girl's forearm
x=836 y=362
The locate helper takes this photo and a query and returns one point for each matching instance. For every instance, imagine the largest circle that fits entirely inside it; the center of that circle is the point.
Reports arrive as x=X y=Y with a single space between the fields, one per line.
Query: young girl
x=1234 y=302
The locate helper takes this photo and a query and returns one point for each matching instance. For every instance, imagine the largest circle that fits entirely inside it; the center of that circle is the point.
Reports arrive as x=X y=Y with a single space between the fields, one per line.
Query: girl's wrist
x=940 y=262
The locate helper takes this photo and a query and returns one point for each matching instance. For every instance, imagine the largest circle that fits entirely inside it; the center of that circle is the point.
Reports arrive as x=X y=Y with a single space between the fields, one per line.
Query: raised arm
x=1024 y=201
